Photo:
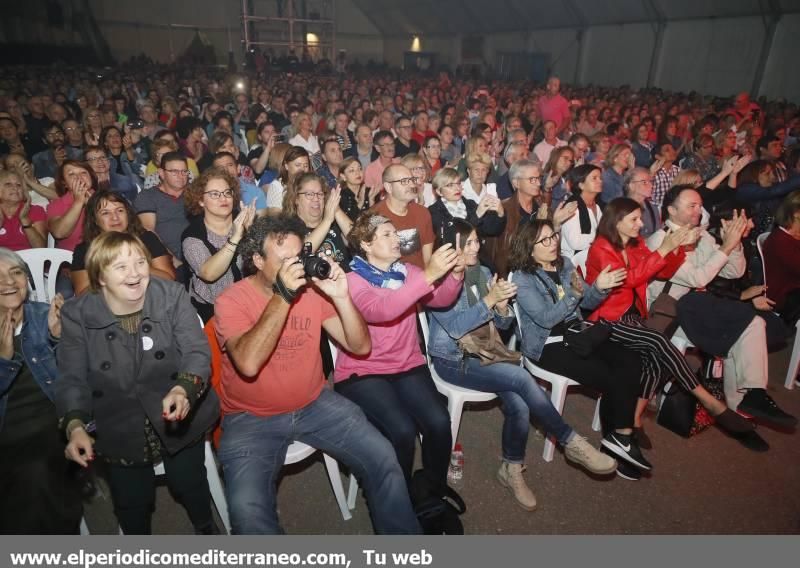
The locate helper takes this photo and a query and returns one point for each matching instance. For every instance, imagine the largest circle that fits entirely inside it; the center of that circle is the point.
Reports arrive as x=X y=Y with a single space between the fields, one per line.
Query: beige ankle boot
x=510 y=476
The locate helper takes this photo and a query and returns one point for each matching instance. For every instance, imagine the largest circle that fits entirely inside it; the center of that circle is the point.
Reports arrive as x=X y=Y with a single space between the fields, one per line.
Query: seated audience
x=295 y=161
x=327 y=225
x=109 y=211
x=618 y=246
x=22 y=225
x=40 y=490
x=210 y=242
x=393 y=385
x=781 y=255
x=273 y=390
x=75 y=184
x=356 y=196
x=577 y=233
x=475 y=187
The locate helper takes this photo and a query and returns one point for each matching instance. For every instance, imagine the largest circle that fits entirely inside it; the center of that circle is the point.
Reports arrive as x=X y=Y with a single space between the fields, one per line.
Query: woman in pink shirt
x=75 y=184
x=392 y=384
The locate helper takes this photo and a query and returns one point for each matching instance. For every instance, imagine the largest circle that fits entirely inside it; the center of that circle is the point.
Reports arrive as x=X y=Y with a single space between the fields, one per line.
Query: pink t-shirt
x=11 y=234
x=391 y=317
x=292 y=377
x=374 y=173
x=57 y=208
x=555 y=109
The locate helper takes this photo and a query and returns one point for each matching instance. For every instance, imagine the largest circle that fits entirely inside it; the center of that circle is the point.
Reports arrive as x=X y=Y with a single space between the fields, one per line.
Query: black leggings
x=611 y=369
x=134 y=493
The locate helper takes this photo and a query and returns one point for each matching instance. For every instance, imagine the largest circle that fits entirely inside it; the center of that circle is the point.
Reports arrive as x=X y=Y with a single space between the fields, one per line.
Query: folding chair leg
x=352 y=492
x=794 y=362
x=558 y=396
x=596 y=426
x=455 y=406
x=332 y=468
x=216 y=489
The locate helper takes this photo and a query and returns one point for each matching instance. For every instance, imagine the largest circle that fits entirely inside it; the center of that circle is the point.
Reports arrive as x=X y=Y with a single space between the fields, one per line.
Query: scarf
x=392 y=278
x=475 y=281
x=457 y=209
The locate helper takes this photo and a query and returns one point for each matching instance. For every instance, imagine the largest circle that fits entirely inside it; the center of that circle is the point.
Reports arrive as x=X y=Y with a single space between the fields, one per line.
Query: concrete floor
x=708 y=484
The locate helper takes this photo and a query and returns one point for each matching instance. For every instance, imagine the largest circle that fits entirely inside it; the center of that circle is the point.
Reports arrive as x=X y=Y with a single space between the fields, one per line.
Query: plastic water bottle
x=455 y=473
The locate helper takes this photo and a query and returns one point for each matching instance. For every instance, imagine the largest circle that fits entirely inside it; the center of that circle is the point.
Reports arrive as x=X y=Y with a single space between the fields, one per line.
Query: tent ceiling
x=448 y=17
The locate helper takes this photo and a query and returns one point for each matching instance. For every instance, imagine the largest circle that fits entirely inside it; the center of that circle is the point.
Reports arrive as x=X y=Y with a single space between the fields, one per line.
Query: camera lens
x=316 y=267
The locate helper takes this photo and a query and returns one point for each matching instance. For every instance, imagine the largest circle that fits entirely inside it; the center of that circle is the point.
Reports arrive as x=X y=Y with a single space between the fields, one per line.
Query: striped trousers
x=661 y=360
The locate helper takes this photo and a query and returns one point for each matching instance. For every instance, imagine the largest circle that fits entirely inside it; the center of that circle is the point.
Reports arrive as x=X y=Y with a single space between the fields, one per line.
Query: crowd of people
x=294 y=209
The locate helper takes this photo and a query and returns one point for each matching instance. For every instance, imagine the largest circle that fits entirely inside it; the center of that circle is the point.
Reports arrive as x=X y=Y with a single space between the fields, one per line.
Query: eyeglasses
x=434 y=147
x=403 y=181
x=418 y=169
x=548 y=240
x=71 y=128
x=178 y=172
x=533 y=179
x=312 y=195
x=646 y=181
x=216 y=195
x=97 y=159
x=453 y=185
x=386 y=145
x=403 y=126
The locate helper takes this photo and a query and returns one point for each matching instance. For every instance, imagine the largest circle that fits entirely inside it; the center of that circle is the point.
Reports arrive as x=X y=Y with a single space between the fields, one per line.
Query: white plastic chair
x=456 y=396
x=760 y=246
x=794 y=362
x=559 y=386
x=44 y=277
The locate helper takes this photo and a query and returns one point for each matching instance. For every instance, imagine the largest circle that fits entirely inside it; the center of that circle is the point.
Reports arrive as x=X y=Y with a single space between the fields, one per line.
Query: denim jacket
x=539 y=314
x=448 y=325
x=38 y=353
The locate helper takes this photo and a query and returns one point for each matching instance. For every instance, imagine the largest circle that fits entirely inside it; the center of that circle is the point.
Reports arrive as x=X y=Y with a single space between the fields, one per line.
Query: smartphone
x=491 y=189
x=580 y=326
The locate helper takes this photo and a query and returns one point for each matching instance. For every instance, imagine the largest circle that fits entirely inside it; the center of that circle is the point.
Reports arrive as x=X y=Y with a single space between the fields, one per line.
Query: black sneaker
x=752 y=441
x=627 y=471
x=626 y=448
x=758 y=404
x=642 y=438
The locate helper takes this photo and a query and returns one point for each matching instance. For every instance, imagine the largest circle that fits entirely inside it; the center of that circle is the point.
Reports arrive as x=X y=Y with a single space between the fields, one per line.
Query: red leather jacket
x=643 y=266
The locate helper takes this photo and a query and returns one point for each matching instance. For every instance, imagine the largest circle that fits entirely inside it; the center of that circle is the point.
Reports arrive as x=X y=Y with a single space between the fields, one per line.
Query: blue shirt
x=250 y=191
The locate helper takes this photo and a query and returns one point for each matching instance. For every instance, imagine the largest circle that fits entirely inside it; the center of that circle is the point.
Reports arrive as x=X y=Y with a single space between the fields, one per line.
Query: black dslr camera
x=313 y=265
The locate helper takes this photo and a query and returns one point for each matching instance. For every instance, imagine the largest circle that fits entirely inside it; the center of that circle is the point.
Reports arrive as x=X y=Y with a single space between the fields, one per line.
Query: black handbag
x=437 y=505
x=681 y=412
x=583 y=337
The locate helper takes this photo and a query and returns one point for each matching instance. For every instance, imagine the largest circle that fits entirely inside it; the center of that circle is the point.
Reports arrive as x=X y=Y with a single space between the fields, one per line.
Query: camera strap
x=283 y=291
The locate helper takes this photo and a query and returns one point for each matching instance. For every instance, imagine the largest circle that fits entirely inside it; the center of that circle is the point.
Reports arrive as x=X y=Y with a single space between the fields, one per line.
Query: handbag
x=436 y=505
x=663 y=314
x=682 y=413
x=583 y=337
x=485 y=344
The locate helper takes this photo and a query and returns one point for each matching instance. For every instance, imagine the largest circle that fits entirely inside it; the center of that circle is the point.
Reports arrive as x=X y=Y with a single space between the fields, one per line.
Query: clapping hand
x=608 y=278
x=54 y=316
x=500 y=292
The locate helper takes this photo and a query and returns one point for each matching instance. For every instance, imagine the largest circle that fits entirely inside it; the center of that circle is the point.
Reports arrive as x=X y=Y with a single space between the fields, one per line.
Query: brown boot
x=510 y=477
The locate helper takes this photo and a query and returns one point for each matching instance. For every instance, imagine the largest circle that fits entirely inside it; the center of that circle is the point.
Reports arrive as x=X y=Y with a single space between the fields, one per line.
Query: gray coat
x=117 y=378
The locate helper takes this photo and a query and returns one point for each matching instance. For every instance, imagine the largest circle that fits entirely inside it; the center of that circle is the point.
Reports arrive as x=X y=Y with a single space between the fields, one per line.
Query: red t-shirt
x=11 y=234
x=292 y=377
x=57 y=208
x=415 y=230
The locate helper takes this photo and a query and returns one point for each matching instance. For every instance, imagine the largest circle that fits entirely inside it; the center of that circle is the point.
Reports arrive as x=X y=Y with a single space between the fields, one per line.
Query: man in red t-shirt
x=273 y=391
x=553 y=106
x=412 y=220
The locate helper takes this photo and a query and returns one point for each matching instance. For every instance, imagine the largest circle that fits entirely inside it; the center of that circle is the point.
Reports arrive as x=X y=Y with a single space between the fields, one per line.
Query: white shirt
x=543 y=150
x=469 y=192
x=275 y=194
x=311 y=145
x=572 y=240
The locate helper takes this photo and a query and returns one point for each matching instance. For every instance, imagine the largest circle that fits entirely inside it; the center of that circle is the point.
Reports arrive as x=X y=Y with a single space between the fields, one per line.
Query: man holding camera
x=273 y=388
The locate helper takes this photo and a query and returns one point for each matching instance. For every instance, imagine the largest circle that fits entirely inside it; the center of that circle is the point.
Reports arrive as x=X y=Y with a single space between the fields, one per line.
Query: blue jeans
x=400 y=406
x=522 y=398
x=253 y=449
